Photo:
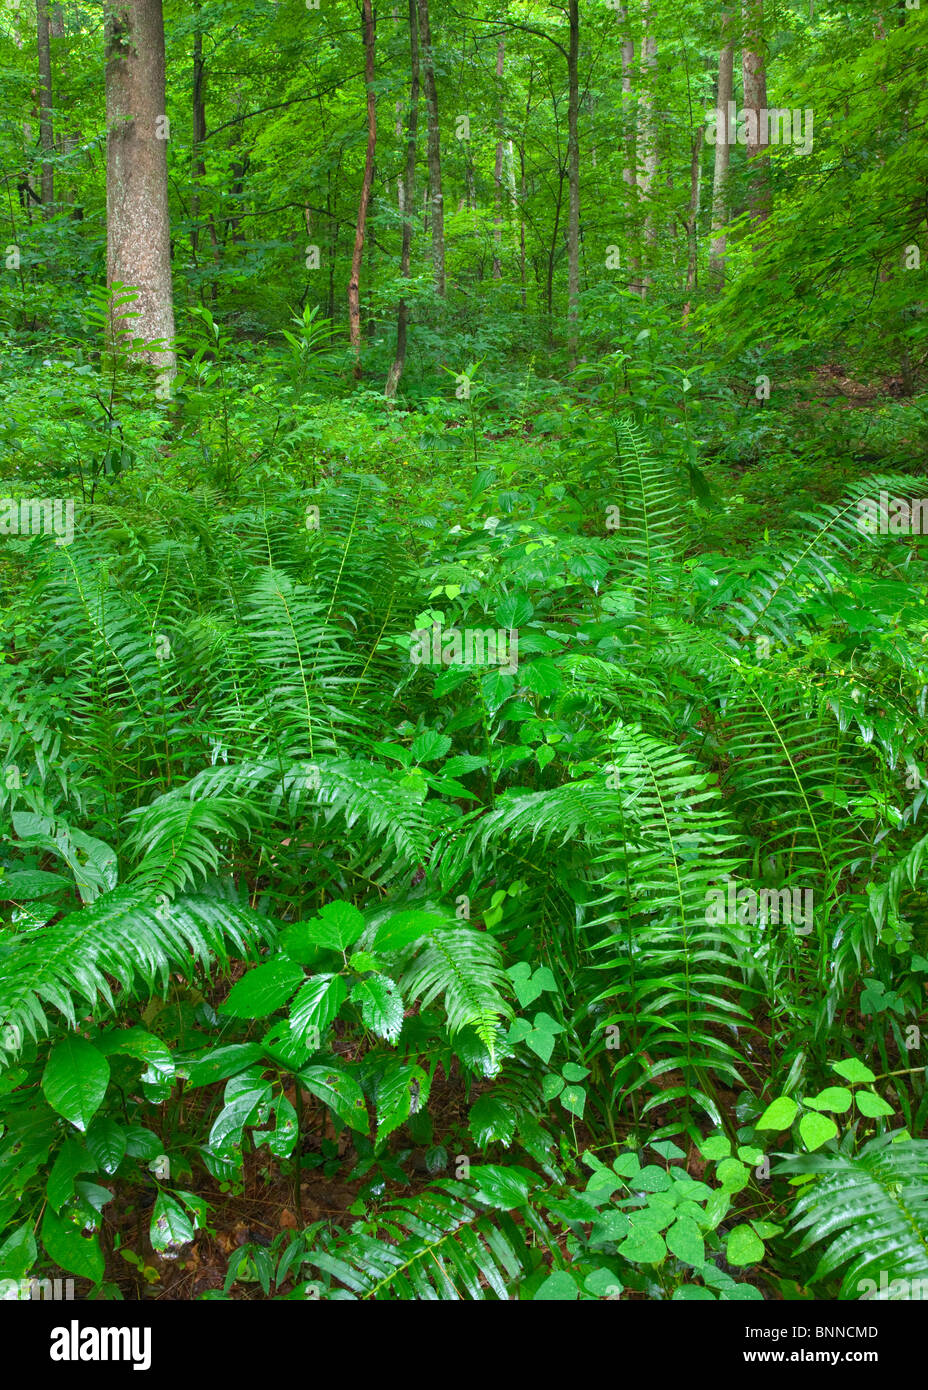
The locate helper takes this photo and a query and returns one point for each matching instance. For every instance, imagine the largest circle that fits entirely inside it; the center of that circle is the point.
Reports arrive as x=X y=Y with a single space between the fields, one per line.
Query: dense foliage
x=501 y=805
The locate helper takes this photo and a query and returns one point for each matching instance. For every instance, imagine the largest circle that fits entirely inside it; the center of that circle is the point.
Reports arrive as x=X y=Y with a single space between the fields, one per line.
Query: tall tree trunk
x=573 y=181
x=722 y=159
x=138 y=236
x=46 y=134
x=408 y=188
x=754 y=74
x=647 y=140
x=354 y=284
x=628 y=152
x=434 y=152
x=237 y=171
x=197 y=163
x=692 y=242
x=498 y=165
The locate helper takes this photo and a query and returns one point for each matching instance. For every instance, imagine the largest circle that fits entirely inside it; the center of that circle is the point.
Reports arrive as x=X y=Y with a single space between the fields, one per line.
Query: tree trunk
x=46 y=134
x=197 y=164
x=498 y=166
x=137 y=220
x=408 y=188
x=628 y=152
x=647 y=141
x=434 y=152
x=354 y=284
x=692 y=242
x=722 y=161
x=573 y=181
x=755 y=106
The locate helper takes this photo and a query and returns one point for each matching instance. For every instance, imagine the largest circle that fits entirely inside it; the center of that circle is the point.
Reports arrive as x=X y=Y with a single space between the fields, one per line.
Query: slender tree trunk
x=628 y=153
x=722 y=160
x=573 y=181
x=647 y=141
x=522 y=187
x=692 y=242
x=137 y=220
x=198 y=168
x=408 y=188
x=197 y=163
x=46 y=133
x=755 y=106
x=436 y=203
x=354 y=289
x=498 y=166
x=237 y=171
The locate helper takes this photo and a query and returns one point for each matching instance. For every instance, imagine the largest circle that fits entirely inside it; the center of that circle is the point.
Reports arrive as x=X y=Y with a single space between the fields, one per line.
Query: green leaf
x=403 y=928
x=338 y=1089
x=527 y=985
x=816 y=1130
x=573 y=1099
x=72 y=1159
x=643 y=1246
x=170 y=1225
x=429 y=746
x=779 y=1114
x=716 y=1147
x=834 y=1098
x=336 y=927
x=744 y=1247
x=402 y=1091
x=514 y=611
x=492 y=1121
x=571 y=1071
x=542 y=677
x=559 y=1287
x=263 y=990
x=281 y=1139
x=872 y=1105
x=733 y=1176
x=651 y=1178
x=106 y=1141
x=75 y=1080
x=26 y=885
x=684 y=1240
x=137 y=1042
x=220 y=1063
x=381 y=1006
x=70 y=1250
x=18 y=1253
x=551 y=1085
x=502 y=1188
x=317 y=1004
x=853 y=1070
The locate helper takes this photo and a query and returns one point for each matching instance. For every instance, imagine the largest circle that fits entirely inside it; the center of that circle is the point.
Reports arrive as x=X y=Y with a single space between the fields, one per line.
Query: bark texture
x=138 y=236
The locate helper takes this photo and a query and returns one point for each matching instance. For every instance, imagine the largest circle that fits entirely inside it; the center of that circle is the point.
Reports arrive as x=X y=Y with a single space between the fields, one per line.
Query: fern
x=871 y=1211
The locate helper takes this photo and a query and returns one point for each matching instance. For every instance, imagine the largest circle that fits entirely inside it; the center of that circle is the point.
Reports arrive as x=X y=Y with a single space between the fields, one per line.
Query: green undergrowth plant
x=290 y=846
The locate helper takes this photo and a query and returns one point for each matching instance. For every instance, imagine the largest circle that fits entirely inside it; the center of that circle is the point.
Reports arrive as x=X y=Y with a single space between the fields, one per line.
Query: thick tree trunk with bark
x=722 y=159
x=436 y=204
x=137 y=220
x=754 y=73
x=46 y=133
x=354 y=284
x=408 y=190
x=573 y=180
